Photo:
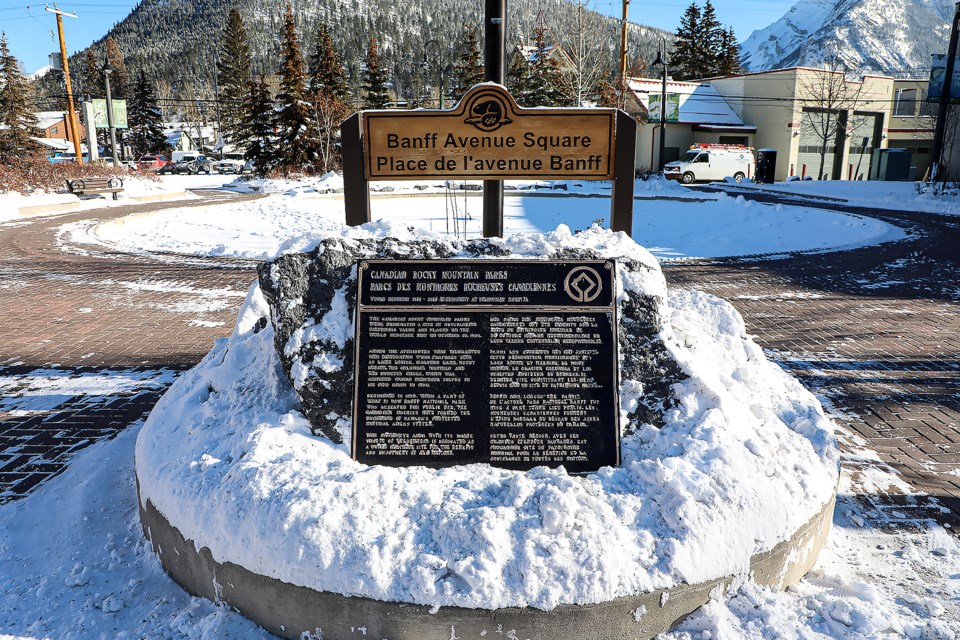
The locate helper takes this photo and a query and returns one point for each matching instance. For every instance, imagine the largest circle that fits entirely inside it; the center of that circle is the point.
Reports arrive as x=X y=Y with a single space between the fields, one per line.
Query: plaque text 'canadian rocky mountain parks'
x=511 y=363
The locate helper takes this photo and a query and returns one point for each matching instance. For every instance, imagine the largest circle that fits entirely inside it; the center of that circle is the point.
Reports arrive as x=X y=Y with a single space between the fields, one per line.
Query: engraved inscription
x=496 y=379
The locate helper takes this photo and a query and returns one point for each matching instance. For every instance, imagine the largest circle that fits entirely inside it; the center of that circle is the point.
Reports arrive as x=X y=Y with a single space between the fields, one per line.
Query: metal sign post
x=940 y=129
x=494 y=29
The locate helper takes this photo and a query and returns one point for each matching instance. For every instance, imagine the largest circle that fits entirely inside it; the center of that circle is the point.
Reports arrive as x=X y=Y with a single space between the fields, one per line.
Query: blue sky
x=31 y=31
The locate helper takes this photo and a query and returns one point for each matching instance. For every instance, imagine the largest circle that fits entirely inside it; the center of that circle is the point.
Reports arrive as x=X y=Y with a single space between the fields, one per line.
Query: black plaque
x=511 y=363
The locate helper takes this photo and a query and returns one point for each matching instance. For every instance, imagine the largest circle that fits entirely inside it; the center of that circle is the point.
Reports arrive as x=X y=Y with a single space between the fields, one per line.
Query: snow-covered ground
x=134 y=188
x=75 y=564
x=897 y=196
x=670 y=220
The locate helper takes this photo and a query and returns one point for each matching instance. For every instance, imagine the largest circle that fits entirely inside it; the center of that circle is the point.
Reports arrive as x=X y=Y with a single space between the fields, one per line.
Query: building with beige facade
x=912 y=122
x=822 y=123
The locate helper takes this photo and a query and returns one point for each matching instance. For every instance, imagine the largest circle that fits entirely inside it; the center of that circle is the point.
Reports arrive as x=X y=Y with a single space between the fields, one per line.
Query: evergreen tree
x=374 y=79
x=17 y=119
x=328 y=96
x=296 y=126
x=469 y=68
x=146 y=121
x=326 y=69
x=703 y=48
x=546 y=87
x=712 y=36
x=729 y=63
x=91 y=76
x=518 y=77
x=687 y=49
x=258 y=133
x=119 y=79
x=233 y=70
x=604 y=94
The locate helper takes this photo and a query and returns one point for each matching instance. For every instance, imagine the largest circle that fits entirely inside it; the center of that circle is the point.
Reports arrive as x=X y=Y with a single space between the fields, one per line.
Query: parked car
x=189 y=165
x=151 y=163
x=231 y=163
x=712 y=162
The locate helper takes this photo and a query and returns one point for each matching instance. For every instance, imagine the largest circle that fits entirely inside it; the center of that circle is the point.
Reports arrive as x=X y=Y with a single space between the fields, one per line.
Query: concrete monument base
x=291 y=611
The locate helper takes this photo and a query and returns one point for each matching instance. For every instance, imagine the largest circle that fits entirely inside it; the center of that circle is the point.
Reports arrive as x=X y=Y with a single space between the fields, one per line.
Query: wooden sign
x=487 y=136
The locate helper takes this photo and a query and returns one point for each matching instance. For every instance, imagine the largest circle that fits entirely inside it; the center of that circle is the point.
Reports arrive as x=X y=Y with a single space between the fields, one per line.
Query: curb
x=291 y=611
x=56 y=207
x=161 y=197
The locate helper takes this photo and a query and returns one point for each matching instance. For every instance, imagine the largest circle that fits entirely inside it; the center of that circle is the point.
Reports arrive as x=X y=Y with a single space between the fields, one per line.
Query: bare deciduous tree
x=585 y=42
x=830 y=99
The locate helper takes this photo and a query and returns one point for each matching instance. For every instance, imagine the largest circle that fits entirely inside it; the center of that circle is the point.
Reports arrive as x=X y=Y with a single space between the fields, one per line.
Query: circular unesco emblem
x=583 y=284
x=487 y=112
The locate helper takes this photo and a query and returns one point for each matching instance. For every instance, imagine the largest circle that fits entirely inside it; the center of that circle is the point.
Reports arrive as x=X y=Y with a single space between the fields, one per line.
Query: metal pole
x=426 y=45
x=940 y=130
x=216 y=96
x=663 y=113
x=71 y=112
x=113 y=133
x=494 y=48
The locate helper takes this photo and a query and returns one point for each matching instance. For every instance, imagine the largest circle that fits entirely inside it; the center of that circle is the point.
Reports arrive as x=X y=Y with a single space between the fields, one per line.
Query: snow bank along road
x=90 y=338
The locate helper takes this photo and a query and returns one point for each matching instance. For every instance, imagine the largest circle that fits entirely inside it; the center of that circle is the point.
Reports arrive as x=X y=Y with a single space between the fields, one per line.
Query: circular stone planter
x=291 y=611
x=246 y=503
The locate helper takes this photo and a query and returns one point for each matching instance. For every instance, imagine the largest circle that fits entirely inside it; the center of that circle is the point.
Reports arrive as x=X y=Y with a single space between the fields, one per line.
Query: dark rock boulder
x=312 y=299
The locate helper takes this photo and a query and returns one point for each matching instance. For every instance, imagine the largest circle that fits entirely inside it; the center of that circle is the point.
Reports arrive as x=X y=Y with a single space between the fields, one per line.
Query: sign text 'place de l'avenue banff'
x=488 y=136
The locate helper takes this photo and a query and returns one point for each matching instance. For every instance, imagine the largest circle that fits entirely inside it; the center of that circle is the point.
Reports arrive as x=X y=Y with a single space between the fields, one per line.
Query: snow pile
x=228 y=459
x=894 y=196
x=665 y=221
x=133 y=187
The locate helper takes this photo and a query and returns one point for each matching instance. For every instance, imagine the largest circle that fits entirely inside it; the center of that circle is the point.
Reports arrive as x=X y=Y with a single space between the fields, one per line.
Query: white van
x=706 y=162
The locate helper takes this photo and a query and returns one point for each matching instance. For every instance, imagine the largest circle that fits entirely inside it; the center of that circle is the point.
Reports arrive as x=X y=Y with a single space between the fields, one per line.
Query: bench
x=86 y=186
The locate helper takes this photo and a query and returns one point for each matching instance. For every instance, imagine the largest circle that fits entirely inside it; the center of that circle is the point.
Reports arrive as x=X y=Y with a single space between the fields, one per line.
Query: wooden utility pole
x=940 y=130
x=623 y=54
x=71 y=112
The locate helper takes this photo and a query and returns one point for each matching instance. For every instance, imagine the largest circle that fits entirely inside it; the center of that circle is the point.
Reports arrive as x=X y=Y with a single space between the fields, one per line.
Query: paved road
x=109 y=331
x=874 y=331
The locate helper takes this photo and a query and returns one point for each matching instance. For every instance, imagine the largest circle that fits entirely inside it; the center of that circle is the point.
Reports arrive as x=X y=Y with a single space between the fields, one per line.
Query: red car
x=151 y=163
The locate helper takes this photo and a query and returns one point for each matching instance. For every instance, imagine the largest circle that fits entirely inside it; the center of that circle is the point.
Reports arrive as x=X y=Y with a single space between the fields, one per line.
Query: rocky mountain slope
x=894 y=38
x=177 y=41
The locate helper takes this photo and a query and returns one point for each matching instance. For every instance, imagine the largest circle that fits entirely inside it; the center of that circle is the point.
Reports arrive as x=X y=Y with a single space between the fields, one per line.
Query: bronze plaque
x=487 y=136
x=509 y=363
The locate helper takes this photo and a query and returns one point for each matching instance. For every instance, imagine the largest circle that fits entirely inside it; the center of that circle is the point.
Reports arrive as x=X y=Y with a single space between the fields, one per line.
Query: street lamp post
x=662 y=60
x=439 y=61
x=107 y=70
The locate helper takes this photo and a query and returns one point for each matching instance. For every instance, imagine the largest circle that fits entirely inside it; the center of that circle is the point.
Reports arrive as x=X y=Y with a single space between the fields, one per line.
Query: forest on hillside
x=176 y=42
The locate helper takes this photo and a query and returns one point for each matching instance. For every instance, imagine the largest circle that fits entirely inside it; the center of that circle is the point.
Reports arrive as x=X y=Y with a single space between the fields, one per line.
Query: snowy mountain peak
x=896 y=38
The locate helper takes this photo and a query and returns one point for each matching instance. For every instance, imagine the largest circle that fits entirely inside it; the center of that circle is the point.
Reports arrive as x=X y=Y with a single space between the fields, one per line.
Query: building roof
x=529 y=53
x=700 y=104
x=49 y=118
x=57 y=144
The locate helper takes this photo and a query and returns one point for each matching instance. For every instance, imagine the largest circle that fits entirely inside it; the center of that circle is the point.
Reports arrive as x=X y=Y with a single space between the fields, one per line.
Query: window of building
x=54 y=131
x=905 y=103
x=734 y=140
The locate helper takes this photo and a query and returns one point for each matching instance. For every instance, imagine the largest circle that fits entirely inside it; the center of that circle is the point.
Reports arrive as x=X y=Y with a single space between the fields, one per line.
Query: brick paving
x=108 y=330
x=873 y=331
x=876 y=333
